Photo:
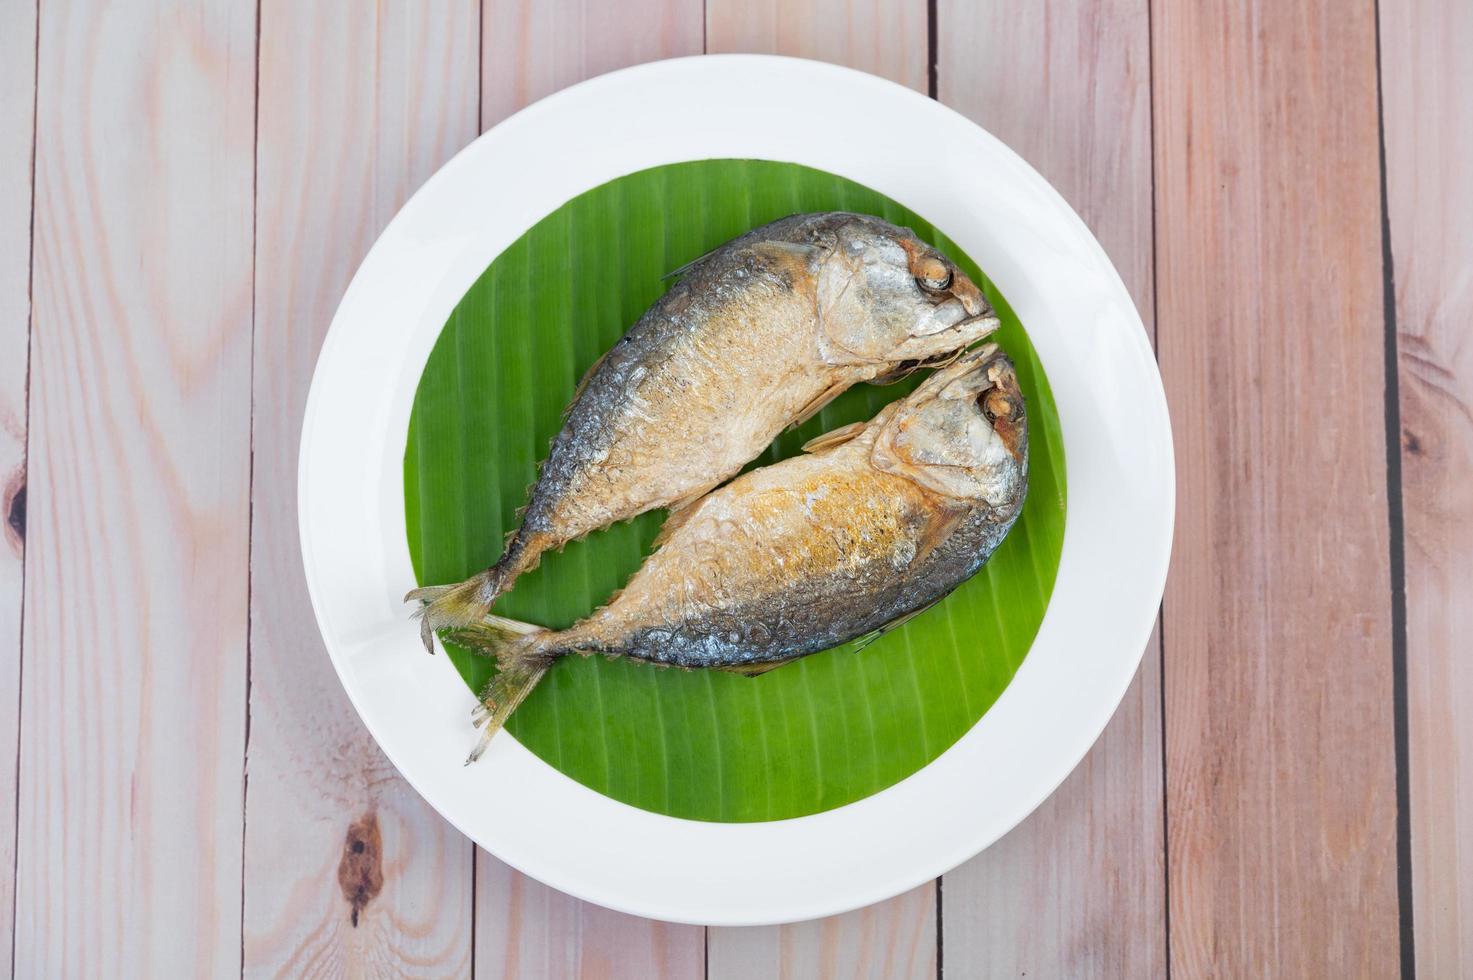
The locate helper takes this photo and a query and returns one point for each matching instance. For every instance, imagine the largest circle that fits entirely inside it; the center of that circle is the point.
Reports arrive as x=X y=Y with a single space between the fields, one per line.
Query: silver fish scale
x=832 y=612
x=605 y=407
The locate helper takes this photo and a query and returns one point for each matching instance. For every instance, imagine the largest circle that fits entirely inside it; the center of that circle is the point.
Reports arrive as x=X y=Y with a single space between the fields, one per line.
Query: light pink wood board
x=1280 y=763
x=887 y=940
x=1078 y=889
x=129 y=786
x=134 y=694
x=1427 y=93
x=526 y=929
x=358 y=107
x=533 y=48
x=17 y=103
x=883 y=37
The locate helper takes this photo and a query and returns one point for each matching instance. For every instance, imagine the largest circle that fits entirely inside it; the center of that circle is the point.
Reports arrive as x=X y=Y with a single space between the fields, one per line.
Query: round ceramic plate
x=1117 y=444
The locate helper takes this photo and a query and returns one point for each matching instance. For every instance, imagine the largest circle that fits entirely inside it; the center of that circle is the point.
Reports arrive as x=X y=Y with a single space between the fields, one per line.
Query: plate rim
x=1156 y=562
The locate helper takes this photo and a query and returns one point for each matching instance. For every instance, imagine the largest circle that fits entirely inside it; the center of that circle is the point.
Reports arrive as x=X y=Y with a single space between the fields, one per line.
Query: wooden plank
x=134 y=693
x=17 y=122
x=526 y=929
x=895 y=938
x=883 y=37
x=1281 y=799
x=368 y=104
x=531 y=49
x=1078 y=890
x=1427 y=92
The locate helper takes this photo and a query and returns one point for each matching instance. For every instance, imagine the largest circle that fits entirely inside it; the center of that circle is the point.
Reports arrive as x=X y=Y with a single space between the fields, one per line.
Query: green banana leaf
x=824 y=731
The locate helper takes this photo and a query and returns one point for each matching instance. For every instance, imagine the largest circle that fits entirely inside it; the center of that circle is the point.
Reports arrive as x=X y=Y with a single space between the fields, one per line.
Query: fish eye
x=934 y=276
x=995 y=404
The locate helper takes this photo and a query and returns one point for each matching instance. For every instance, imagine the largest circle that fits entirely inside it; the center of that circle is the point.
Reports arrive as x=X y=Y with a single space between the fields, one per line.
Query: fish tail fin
x=521 y=666
x=448 y=607
x=494 y=636
x=454 y=606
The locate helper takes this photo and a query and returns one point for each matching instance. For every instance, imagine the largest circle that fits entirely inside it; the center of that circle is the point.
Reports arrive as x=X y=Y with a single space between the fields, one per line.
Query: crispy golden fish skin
x=876 y=523
x=755 y=336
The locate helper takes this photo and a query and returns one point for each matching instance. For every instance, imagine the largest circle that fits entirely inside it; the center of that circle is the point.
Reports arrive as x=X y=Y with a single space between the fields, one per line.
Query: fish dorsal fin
x=682 y=270
x=680 y=512
x=757 y=670
x=837 y=437
x=780 y=252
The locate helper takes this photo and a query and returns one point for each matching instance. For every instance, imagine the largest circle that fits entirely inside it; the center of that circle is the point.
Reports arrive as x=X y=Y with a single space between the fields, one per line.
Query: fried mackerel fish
x=876 y=523
x=757 y=335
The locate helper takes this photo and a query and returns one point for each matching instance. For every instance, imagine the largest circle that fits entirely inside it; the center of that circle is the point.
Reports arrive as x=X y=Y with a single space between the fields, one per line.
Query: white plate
x=1117 y=443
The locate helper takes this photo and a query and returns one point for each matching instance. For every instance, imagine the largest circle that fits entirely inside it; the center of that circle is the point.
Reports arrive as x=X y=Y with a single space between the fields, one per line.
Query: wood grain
x=135 y=619
x=526 y=929
x=347 y=871
x=883 y=37
x=1427 y=93
x=531 y=49
x=891 y=940
x=1281 y=801
x=17 y=139
x=151 y=560
x=895 y=938
x=1078 y=890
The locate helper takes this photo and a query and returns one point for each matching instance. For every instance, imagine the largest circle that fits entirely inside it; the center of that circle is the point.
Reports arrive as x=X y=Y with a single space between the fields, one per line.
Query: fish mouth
x=962 y=325
x=985 y=315
x=974 y=359
x=958 y=373
x=977 y=372
x=964 y=338
x=998 y=376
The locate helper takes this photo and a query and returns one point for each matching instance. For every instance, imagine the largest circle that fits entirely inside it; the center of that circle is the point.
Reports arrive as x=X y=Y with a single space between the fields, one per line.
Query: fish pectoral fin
x=819 y=401
x=935 y=536
x=836 y=437
x=757 y=670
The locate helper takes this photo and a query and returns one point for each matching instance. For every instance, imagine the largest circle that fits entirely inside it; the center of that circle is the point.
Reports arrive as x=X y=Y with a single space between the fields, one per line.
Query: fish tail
x=447 y=607
x=454 y=606
x=522 y=665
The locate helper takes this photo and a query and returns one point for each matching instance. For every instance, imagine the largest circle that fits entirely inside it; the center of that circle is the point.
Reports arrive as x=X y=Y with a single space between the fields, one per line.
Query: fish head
x=963 y=433
x=887 y=298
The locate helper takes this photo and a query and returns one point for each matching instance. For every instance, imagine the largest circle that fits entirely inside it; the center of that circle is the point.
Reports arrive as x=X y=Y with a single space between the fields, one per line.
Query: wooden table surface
x=185 y=189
